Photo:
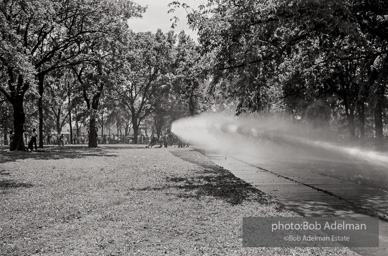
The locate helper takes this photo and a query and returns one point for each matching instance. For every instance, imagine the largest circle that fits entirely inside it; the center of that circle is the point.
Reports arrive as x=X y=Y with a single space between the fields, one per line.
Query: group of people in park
x=59 y=140
x=165 y=140
x=32 y=142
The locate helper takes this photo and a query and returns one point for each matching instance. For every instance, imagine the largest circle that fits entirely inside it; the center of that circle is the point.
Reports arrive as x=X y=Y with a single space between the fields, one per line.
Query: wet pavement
x=318 y=189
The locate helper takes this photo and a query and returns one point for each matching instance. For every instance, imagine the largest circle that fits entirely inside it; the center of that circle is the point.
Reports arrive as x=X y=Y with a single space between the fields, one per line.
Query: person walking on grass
x=33 y=140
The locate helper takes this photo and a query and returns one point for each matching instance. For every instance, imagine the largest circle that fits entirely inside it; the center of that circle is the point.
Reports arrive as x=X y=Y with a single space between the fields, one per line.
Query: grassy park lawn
x=122 y=200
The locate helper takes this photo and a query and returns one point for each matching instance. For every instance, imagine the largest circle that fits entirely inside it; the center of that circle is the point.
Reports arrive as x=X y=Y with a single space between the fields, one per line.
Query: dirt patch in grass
x=128 y=201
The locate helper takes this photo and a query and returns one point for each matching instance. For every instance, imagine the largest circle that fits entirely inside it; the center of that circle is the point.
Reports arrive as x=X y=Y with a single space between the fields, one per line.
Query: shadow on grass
x=222 y=185
x=7 y=184
x=123 y=146
x=213 y=181
x=189 y=156
x=51 y=153
x=4 y=173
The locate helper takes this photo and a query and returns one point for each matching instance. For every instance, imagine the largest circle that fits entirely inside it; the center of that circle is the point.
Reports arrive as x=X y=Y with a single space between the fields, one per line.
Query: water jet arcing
x=271 y=140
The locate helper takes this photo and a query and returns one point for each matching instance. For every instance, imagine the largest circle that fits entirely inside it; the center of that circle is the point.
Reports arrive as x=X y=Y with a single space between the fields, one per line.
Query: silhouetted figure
x=33 y=141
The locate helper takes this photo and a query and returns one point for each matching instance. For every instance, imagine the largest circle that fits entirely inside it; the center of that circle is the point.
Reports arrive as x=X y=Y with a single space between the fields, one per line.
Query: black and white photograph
x=194 y=127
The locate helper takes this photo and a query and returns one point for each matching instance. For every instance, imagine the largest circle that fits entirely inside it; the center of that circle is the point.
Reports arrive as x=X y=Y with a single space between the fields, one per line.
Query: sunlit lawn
x=122 y=200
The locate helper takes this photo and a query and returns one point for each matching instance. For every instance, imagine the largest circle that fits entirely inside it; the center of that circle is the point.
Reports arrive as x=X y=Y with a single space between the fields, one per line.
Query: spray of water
x=273 y=138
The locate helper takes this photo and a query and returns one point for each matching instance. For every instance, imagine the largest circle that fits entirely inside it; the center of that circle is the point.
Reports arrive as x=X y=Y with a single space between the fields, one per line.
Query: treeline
x=324 y=62
x=78 y=63
x=321 y=61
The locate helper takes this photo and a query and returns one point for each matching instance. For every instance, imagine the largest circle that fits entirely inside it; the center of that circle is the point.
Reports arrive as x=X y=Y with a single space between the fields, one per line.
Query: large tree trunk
x=71 y=127
x=135 y=133
x=58 y=121
x=93 y=116
x=92 y=132
x=17 y=98
x=126 y=129
x=77 y=128
x=158 y=122
x=102 y=124
x=69 y=107
x=118 y=127
x=19 y=119
x=40 y=109
x=135 y=125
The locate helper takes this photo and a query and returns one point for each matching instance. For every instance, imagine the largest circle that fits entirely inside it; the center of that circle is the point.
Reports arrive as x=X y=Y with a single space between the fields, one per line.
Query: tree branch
x=9 y=98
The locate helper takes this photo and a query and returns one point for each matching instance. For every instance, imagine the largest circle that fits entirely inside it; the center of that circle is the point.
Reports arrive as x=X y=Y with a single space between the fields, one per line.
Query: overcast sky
x=157 y=17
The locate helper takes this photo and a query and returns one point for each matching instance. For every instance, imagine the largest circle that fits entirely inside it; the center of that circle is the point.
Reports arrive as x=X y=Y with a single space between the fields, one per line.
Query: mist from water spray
x=270 y=138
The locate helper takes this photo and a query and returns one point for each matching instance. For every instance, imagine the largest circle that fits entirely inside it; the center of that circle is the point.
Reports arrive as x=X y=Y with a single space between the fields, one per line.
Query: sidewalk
x=312 y=194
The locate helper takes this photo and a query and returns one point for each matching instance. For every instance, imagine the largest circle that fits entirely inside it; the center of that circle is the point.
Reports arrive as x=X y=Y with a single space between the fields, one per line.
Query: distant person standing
x=33 y=140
